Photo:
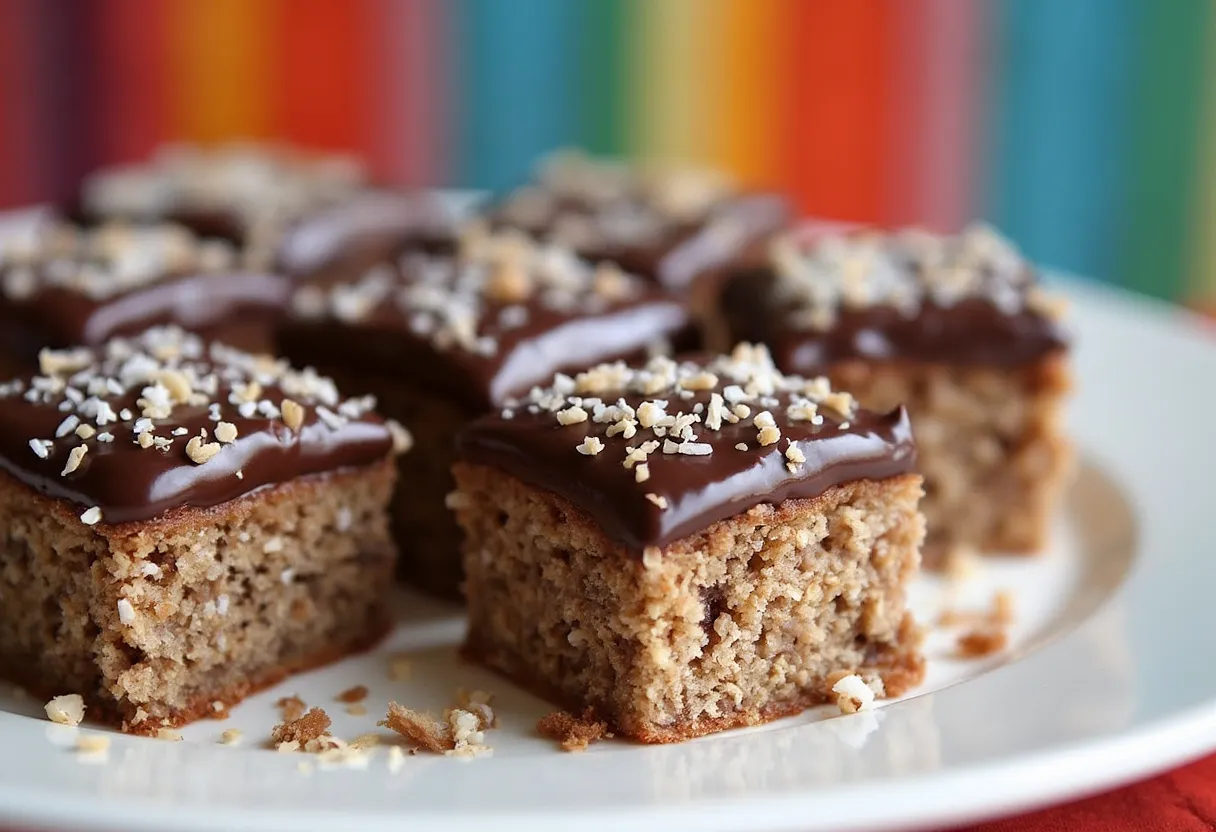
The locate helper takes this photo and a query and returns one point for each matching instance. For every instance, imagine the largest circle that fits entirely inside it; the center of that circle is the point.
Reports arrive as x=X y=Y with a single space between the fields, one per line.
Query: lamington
x=670 y=223
x=182 y=523
x=65 y=286
x=440 y=338
x=957 y=328
x=688 y=547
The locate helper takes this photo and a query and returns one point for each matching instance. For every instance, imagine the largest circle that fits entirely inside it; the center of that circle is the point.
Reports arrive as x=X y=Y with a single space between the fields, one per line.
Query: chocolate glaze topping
x=969 y=299
x=164 y=420
x=656 y=454
x=493 y=318
x=668 y=225
x=84 y=286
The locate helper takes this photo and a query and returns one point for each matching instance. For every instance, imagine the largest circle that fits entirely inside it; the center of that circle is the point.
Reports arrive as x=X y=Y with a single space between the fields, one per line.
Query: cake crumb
x=310 y=726
x=66 y=710
x=232 y=736
x=168 y=734
x=351 y=695
x=573 y=733
x=292 y=708
x=853 y=694
x=979 y=643
x=420 y=729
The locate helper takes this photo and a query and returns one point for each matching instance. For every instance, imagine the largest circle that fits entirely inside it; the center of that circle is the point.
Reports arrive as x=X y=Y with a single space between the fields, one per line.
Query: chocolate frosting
x=56 y=316
x=697 y=490
x=670 y=251
x=972 y=332
x=545 y=339
x=823 y=295
x=128 y=482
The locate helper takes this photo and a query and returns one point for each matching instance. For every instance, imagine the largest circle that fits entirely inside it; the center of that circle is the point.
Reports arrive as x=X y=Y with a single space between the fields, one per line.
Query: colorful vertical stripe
x=840 y=107
x=1085 y=129
x=1160 y=194
x=1063 y=129
x=221 y=69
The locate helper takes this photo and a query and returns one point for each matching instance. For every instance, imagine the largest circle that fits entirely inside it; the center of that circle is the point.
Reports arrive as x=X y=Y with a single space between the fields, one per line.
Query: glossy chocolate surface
x=669 y=226
x=415 y=333
x=689 y=492
x=68 y=293
x=1001 y=321
x=128 y=482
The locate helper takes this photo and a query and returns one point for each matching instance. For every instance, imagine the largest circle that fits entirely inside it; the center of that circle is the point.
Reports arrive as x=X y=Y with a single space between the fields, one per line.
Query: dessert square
x=65 y=286
x=440 y=338
x=688 y=547
x=247 y=193
x=954 y=327
x=182 y=523
x=669 y=223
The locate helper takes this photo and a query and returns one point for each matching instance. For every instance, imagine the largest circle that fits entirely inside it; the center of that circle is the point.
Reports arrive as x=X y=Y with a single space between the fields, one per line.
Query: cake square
x=689 y=547
x=183 y=523
x=442 y=337
x=64 y=285
x=669 y=223
x=956 y=328
x=245 y=192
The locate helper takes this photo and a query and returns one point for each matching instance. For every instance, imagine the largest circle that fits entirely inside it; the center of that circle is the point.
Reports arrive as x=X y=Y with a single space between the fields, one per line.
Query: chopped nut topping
x=225 y=432
x=91 y=516
x=293 y=414
x=403 y=440
x=66 y=710
x=657 y=499
x=768 y=435
x=819 y=277
x=590 y=446
x=75 y=457
x=199 y=451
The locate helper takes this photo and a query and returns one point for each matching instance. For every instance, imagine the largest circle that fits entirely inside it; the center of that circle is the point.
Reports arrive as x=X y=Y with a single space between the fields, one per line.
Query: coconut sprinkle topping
x=906 y=269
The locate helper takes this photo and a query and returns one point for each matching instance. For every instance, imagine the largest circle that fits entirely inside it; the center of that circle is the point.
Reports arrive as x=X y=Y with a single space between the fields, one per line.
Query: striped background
x=1084 y=128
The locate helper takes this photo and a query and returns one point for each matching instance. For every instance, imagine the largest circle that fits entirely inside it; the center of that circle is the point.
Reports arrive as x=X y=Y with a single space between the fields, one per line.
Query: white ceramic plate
x=1108 y=678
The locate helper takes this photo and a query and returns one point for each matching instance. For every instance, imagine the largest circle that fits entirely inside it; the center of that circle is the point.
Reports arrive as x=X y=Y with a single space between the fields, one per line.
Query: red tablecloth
x=1180 y=801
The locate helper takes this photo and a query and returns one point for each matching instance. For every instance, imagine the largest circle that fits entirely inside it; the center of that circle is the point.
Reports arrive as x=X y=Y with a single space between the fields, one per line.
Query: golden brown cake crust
x=740 y=624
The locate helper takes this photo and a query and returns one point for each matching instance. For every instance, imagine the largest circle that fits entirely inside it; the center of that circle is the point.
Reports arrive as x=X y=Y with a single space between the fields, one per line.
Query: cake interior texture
x=746 y=621
x=156 y=622
x=990 y=445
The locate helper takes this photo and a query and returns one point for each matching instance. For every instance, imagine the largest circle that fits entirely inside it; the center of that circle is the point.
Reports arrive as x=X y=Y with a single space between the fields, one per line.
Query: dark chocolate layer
x=683 y=493
x=971 y=332
x=54 y=316
x=509 y=343
x=827 y=297
x=247 y=445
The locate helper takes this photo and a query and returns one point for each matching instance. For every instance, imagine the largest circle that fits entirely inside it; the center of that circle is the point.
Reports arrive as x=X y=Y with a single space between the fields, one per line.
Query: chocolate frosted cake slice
x=689 y=547
x=441 y=338
x=954 y=327
x=247 y=193
x=670 y=224
x=184 y=523
x=67 y=286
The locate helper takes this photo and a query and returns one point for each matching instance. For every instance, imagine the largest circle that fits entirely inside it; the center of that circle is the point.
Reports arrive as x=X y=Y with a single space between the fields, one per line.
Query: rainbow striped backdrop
x=1086 y=129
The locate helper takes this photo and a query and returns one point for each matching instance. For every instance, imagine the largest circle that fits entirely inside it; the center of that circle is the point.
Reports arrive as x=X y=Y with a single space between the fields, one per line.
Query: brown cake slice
x=685 y=548
x=672 y=224
x=182 y=524
x=67 y=285
x=954 y=327
x=440 y=338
